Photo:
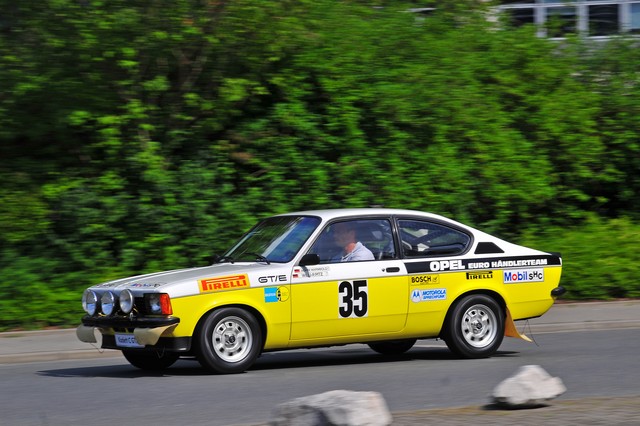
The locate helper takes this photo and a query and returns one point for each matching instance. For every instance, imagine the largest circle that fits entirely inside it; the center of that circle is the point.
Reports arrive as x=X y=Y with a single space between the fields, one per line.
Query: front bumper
x=121 y=322
x=148 y=331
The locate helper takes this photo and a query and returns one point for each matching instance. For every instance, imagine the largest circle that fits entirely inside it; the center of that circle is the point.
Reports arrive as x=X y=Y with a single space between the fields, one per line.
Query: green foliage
x=600 y=257
x=138 y=136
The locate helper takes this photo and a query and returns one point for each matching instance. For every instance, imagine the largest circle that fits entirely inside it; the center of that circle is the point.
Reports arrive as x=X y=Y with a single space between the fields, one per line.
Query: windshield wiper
x=223 y=259
x=260 y=258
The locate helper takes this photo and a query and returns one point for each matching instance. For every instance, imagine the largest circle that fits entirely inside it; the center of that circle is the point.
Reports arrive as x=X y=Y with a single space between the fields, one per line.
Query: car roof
x=328 y=214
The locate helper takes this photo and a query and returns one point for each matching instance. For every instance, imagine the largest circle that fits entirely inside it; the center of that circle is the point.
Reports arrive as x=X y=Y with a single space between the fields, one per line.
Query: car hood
x=182 y=282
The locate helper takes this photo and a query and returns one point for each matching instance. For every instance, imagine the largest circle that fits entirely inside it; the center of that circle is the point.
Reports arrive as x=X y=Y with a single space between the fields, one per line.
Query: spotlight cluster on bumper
x=123 y=303
x=123 y=310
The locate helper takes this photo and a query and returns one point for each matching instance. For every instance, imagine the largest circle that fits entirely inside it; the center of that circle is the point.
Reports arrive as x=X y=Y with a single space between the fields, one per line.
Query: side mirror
x=310 y=259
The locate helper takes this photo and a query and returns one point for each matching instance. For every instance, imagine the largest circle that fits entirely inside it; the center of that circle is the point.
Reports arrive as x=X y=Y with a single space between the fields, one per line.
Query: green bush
x=601 y=258
x=137 y=136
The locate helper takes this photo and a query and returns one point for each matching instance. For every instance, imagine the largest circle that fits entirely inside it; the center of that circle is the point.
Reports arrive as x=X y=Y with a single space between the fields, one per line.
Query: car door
x=433 y=253
x=343 y=296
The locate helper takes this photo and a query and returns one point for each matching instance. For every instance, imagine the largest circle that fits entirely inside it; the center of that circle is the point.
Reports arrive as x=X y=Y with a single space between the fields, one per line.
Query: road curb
x=58 y=356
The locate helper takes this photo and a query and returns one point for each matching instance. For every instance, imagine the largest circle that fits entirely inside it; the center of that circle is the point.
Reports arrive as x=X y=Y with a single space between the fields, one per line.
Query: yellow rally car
x=384 y=277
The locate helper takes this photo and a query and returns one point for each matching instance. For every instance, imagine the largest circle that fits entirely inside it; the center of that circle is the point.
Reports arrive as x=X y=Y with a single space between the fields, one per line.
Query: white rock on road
x=334 y=408
x=531 y=386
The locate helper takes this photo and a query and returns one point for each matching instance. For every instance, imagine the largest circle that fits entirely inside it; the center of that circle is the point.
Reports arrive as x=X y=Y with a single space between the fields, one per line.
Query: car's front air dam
x=150 y=336
x=86 y=334
x=144 y=336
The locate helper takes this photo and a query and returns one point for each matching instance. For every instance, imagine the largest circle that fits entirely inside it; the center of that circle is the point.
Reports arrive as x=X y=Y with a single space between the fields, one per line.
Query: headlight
x=107 y=301
x=159 y=303
x=89 y=301
x=126 y=301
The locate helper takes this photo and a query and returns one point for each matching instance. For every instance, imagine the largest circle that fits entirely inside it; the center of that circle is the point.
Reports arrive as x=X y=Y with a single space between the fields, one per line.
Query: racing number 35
x=353 y=299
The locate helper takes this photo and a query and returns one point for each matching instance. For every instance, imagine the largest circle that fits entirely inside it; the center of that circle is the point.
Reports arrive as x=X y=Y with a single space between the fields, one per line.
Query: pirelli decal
x=448 y=265
x=232 y=282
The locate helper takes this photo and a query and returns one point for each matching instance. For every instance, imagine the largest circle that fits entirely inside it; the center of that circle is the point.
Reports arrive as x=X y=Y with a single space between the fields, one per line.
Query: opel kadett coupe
x=383 y=277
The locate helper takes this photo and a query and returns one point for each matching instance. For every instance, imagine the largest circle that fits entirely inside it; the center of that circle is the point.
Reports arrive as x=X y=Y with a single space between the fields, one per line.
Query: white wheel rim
x=232 y=339
x=479 y=326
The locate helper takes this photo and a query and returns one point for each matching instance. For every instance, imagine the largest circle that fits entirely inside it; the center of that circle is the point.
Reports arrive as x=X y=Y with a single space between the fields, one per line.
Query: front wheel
x=151 y=361
x=228 y=341
x=474 y=327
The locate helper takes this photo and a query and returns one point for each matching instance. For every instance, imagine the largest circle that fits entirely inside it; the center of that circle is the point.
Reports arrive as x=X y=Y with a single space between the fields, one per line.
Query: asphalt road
x=593 y=348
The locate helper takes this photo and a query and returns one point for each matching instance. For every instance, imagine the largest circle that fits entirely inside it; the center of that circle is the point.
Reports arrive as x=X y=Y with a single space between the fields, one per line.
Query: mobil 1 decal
x=353 y=299
x=533 y=275
x=453 y=265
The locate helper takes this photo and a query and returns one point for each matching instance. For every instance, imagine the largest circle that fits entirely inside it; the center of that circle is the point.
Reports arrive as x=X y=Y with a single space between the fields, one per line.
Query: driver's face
x=343 y=235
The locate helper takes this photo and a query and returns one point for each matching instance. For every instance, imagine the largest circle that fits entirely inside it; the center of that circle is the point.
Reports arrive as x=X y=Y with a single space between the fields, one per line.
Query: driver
x=344 y=234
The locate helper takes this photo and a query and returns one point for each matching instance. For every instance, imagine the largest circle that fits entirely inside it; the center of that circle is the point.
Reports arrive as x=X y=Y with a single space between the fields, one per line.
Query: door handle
x=393 y=269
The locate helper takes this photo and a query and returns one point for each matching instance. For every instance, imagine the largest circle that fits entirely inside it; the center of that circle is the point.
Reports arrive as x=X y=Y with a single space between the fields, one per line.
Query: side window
x=420 y=239
x=355 y=240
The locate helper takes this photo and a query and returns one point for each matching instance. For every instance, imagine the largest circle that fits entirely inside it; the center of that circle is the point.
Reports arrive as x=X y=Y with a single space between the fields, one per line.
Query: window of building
x=560 y=18
x=604 y=19
x=522 y=16
x=634 y=18
x=560 y=21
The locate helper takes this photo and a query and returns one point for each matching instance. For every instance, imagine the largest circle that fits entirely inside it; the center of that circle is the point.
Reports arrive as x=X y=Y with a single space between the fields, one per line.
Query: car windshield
x=276 y=239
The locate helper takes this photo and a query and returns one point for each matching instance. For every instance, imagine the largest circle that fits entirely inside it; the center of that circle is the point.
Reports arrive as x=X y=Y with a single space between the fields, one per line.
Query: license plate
x=127 y=341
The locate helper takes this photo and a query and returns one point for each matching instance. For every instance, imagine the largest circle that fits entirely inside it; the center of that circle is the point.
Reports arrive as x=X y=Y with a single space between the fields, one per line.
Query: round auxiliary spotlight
x=108 y=302
x=89 y=301
x=126 y=301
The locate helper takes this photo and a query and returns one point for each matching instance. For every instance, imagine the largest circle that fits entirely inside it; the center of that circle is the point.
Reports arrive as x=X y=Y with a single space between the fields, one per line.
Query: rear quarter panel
x=524 y=283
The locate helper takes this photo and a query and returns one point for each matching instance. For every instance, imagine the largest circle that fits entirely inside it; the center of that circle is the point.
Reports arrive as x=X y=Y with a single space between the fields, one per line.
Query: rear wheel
x=151 y=360
x=228 y=341
x=393 y=347
x=474 y=327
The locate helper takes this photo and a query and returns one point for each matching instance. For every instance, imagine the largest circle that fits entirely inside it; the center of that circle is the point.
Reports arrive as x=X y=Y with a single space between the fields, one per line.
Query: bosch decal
x=524 y=276
x=425 y=279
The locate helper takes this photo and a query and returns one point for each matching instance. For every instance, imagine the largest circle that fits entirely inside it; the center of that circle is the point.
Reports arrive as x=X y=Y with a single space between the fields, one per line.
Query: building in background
x=560 y=18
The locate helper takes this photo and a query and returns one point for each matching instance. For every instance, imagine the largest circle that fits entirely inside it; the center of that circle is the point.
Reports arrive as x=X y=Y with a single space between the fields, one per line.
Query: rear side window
x=422 y=239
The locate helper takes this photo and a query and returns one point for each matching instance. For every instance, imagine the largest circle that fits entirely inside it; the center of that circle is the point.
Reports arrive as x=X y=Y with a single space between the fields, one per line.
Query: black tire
x=151 y=361
x=393 y=347
x=474 y=327
x=228 y=340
